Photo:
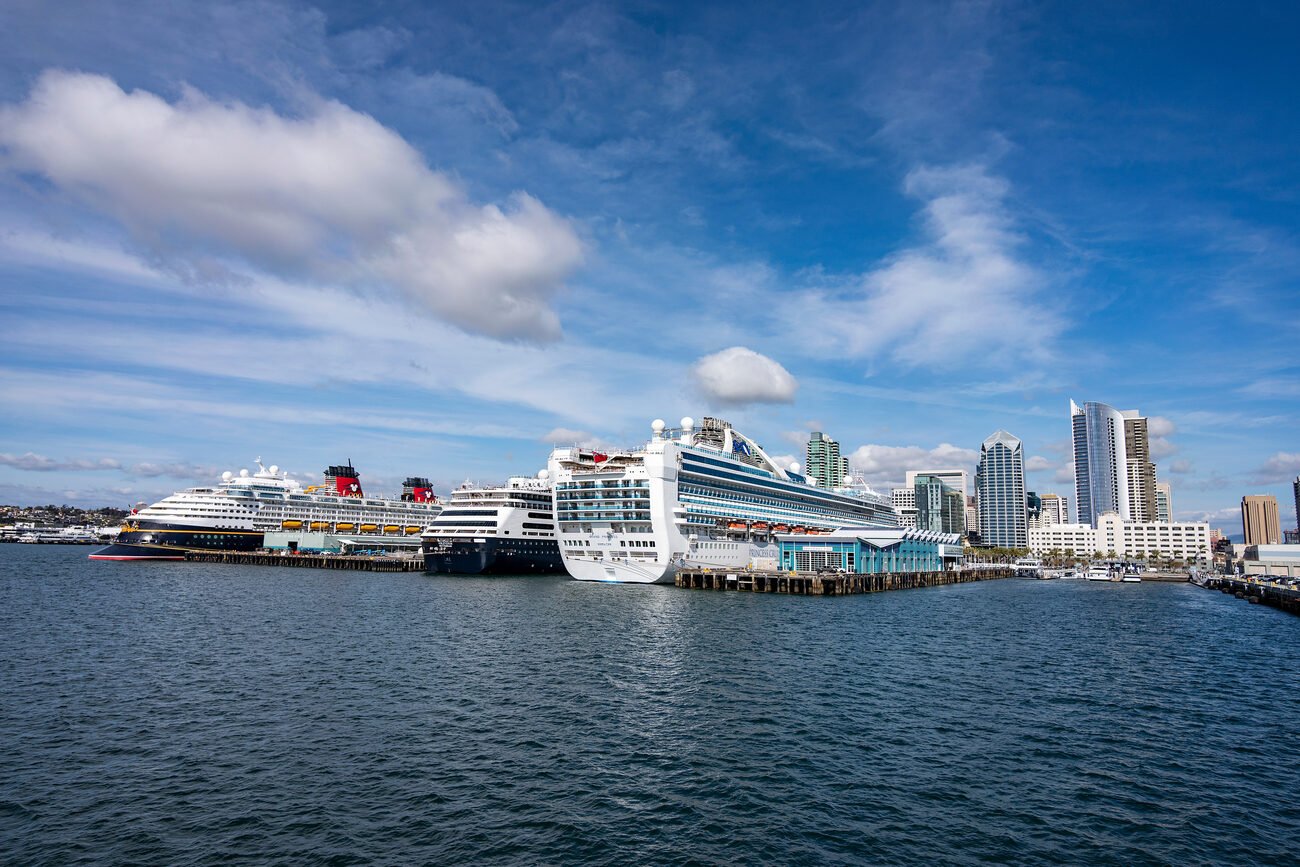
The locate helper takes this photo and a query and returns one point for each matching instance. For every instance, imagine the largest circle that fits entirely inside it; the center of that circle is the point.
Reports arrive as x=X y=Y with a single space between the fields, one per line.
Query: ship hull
x=495 y=557
x=171 y=541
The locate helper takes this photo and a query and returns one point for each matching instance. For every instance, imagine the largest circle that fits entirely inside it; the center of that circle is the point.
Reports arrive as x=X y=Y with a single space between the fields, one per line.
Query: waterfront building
x=1000 y=492
x=1139 y=469
x=1278 y=560
x=1056 y=510
x=1164 y=503
x=938 y=507
x=1259 y=520
x=824 y=465
x=1189 y=542
x=870 y=550
x=1100 y=461
x=904 y=502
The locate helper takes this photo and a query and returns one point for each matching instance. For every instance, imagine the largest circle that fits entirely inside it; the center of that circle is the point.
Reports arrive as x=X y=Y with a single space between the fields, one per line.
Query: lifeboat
x=291 y=525
x=736 y=525
x=392 y=528
x=369 y=528
x=781 y=528
x=345 y=528
x=320 y=525
x=799 y=530
x=411 y=530
x=760 y=525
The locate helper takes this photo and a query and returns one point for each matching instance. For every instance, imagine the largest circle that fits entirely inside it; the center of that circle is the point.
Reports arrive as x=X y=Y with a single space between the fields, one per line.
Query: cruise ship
x=690 y=499
x=506 y=529
x=235 y=514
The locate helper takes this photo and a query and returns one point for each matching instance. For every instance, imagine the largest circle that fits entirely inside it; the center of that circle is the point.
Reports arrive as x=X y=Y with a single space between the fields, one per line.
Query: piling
x=827 y=584
x=348 y=562
x=1257 y=590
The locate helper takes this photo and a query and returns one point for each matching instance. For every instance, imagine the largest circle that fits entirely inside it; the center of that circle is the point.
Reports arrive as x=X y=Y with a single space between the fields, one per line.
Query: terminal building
x=1187 y=542
x=871 y=550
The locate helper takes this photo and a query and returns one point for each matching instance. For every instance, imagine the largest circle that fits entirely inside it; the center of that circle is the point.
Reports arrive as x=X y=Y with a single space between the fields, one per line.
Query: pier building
x=871 y=550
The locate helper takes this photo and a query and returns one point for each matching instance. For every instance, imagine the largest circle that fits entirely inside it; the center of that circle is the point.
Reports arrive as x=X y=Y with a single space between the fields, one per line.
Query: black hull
x=496 y=557
x=171 y=541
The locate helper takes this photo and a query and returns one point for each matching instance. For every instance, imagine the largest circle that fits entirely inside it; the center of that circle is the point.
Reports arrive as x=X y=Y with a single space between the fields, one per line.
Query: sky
x=437 y=239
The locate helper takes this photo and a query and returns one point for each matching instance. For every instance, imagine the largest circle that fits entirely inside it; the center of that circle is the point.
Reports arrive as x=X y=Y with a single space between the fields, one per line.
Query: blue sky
x=436 y=238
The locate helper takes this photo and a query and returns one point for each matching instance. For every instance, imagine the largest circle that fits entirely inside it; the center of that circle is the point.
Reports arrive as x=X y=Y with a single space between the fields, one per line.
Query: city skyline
x=438 y=242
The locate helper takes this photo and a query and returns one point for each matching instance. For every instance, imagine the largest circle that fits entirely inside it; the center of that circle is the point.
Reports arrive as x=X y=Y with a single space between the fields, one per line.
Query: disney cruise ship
x=689 y=499
x=234 y=515
x=508 y=529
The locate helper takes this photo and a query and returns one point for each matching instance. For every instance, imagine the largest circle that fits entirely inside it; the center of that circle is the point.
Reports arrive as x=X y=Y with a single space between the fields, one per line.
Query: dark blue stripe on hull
x=496 y=557
x=119 y=551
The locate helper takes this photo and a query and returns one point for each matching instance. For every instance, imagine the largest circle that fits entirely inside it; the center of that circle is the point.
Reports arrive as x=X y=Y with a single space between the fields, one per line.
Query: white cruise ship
x=504 y=529
x=234 y=515
x=690 y=499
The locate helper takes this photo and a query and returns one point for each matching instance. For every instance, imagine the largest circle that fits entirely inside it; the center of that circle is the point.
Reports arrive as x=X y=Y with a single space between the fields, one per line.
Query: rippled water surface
x=191 y=713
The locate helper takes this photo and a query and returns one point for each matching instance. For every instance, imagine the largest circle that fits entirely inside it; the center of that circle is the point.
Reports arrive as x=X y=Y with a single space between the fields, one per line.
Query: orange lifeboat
x=320 y=525
x=392 y=528
x=760 y=525
x=781 y=528
x=411 y=530
x=369 y=528
x=736 y=525
x=291 y=525
x=801 y=530
x=345 y=528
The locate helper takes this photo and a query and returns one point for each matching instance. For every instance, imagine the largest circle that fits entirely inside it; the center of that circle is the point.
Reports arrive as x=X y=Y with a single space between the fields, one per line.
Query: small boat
x=369 y=528
x=781 y=528
x=1131 y=578
x=392 y=528
x=1098 y=573
x=412 y=530
x=760 y=525
x=800 y=530
x=320 y=525
x=736 y=525
x=291 y=525
x=345 y=528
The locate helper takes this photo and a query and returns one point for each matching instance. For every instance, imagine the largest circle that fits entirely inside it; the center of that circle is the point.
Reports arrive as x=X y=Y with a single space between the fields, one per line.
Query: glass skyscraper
x=1000 y=486
x=1100 y=462
x=824 y=463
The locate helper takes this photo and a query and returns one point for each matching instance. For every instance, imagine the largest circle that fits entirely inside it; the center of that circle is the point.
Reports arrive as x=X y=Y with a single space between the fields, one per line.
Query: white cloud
x=886 y=466
x=1064 y=474
x=949 y=299
x=1281 y=467
x=1180 y=467
x=1038 y=463
x=40 y=463
x=739 y=376
x=1159 y=426
x=332 y=195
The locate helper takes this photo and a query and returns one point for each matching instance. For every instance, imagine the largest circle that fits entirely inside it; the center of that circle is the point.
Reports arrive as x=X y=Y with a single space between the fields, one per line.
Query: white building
x=1164 y=502
x=1129 y=539
x=904 y=502
x=955 y=479
x=1056 y=510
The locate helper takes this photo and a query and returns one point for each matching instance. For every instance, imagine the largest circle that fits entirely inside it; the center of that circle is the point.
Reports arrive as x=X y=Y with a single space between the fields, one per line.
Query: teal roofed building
x=871 y=550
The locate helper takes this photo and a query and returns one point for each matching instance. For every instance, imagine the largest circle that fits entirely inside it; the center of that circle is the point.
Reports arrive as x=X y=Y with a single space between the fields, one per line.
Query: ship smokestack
x=417 y=490
x=346 y=480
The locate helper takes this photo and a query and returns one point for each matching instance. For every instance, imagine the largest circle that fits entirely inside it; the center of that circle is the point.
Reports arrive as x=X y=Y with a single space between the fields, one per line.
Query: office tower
x=1141 y=472
x=1295 y=487
x=972 y=516
x=1259 y=520
x=938 y=506
x=1033 y=509
x=904 y=500
x=1056 y=510
x=1000 y=491
x=953 y=478
x=824 y=464
x=1164 y=503
x=1100 y=461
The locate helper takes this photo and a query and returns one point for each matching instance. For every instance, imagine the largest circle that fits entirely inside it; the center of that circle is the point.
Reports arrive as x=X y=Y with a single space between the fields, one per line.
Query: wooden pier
x=1257 y=590
x=310 y=561
x=828 y=584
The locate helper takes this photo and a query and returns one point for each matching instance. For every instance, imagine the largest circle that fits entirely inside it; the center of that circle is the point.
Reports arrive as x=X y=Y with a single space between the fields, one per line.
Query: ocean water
x=194 y=714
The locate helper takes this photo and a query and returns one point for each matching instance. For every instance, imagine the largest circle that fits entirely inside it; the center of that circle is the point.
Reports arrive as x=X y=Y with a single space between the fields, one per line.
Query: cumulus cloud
x=1037 y=463
x=1064 y=474
x=40 y=463
x=331 y=194
x=1180 y=467
x=948 y=299
x=1159 y=426
x=886 y=466
x=739 y=376
x=1281 y=467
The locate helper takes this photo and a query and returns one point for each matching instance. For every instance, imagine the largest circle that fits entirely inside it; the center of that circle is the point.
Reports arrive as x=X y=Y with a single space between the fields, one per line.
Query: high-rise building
x=1000 y=492
x=1033 y=509
x=824 y=464
x=938 y=506
x=904 y=500
x=972 y=516
x=1164 y=503
x=953 y=478
x=1056 y=510
x=1295 y=486
x=1259 y=520
x=1100 y=461
x=1141 y=472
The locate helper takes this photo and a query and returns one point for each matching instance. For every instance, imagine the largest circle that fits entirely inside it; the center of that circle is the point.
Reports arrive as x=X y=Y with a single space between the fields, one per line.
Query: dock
x=1257 y=590
x=828 y=584
x=349 y=562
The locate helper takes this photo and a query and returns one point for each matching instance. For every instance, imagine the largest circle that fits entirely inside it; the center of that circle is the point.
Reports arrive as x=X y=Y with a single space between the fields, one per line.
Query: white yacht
x=505 y=529
x=1098 y=573
x=1028 y=567
x=234 y=515
x=691 y=499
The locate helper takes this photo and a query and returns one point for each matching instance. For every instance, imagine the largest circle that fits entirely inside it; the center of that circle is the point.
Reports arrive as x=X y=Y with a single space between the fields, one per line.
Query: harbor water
x=190 y=713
